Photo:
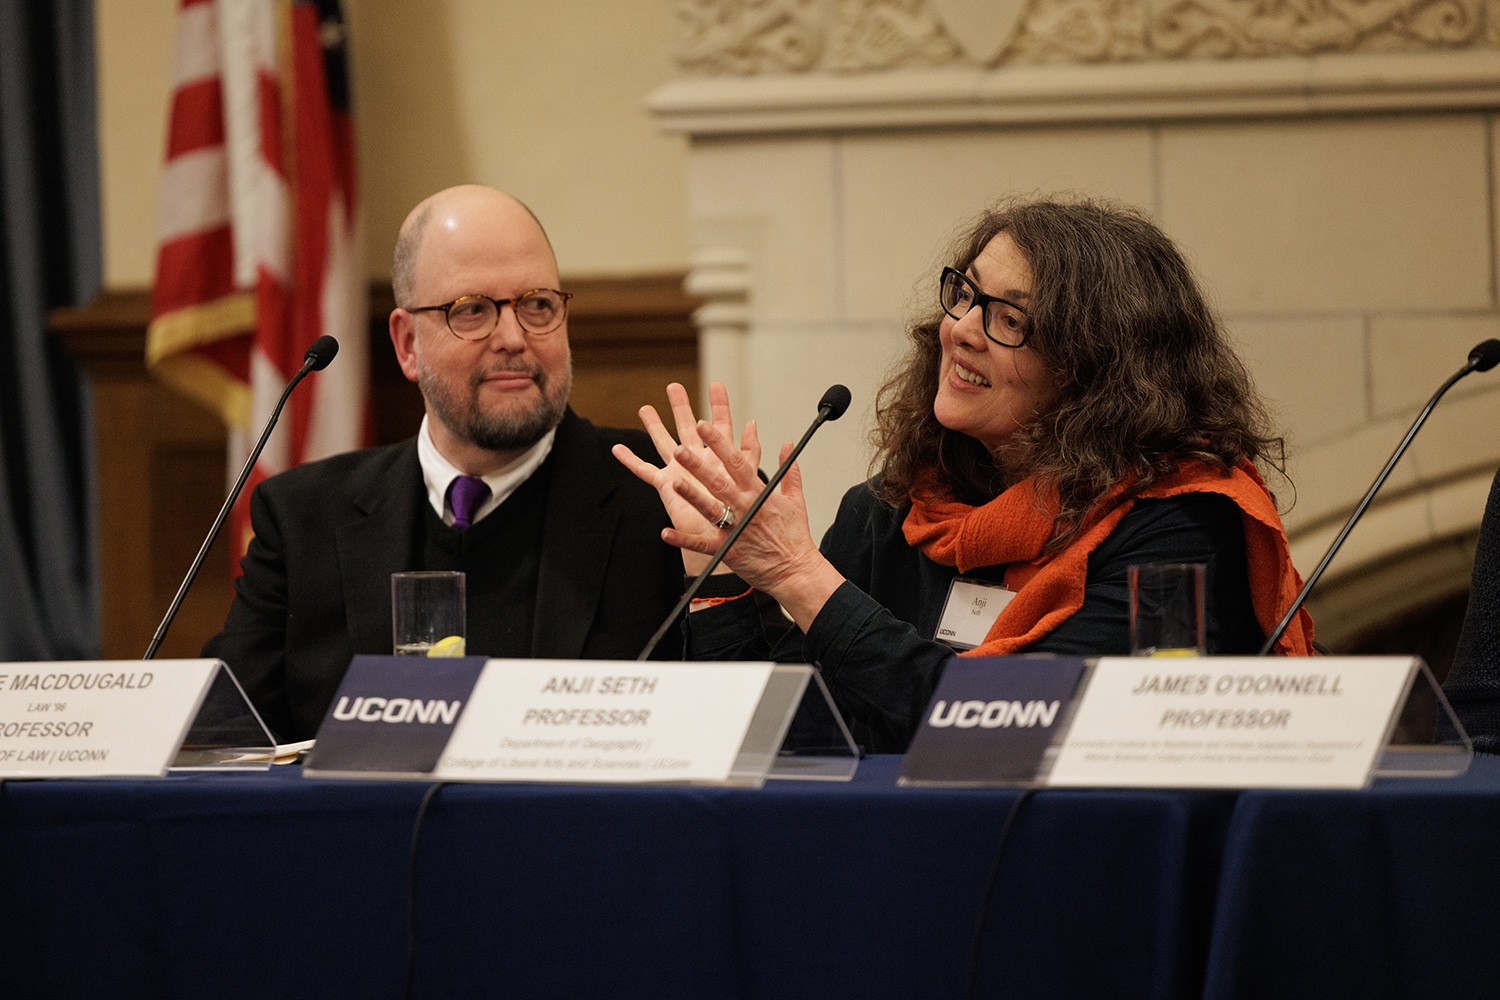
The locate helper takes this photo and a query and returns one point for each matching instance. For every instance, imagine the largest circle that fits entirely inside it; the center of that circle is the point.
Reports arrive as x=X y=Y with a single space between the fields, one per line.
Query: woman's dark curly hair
x=1144 y=370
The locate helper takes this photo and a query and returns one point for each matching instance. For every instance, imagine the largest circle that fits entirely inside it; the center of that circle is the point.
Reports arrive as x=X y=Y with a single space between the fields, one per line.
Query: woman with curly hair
x=1072 y=409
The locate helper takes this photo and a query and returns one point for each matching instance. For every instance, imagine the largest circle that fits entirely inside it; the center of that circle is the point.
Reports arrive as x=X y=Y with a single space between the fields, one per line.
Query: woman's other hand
x=775 y=553
x=685 y=518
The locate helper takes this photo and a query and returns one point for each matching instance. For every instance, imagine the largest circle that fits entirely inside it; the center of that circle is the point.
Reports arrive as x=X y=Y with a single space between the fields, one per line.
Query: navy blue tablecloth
x=1388 y=893
x=271 y=885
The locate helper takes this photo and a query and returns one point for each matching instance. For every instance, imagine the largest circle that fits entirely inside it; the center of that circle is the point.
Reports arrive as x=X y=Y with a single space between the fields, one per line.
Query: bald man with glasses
x=561 y=546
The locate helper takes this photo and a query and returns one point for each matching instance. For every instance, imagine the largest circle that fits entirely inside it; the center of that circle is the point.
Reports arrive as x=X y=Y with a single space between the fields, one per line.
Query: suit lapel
x=576 y=542
x=373 y=546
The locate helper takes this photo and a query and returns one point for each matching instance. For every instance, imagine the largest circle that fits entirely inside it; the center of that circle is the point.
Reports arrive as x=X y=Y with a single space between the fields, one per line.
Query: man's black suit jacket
x=316 y=587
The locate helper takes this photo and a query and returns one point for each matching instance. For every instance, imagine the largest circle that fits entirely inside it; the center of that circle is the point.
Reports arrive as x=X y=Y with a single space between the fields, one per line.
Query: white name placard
x=97 y=718
x=1233 y=722
x=604 y=721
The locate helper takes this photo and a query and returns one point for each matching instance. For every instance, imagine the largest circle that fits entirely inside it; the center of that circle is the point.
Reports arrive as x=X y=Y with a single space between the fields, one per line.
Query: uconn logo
x=396 y=710
x=992 y=714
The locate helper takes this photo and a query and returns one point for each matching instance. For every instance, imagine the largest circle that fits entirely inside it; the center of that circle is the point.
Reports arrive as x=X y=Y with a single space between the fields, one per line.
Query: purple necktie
x=465 y=496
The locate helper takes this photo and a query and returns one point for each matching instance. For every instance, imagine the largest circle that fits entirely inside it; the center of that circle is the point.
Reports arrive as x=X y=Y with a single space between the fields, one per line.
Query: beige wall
x=134 y=45
x=541 y=99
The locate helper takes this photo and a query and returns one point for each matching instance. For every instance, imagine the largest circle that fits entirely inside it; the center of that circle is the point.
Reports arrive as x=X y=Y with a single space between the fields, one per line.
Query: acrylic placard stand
x=796 y=732
x=227 y=733
x=818 y=745
x=1426 y=739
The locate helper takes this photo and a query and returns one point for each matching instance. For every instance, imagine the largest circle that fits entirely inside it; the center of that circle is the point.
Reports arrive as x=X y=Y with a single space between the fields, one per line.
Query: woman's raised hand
x=705 y=474
x=685 y=517
x=775 y=553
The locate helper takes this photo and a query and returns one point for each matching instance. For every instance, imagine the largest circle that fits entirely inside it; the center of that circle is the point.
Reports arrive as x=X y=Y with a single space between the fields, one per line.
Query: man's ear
x=404 y=339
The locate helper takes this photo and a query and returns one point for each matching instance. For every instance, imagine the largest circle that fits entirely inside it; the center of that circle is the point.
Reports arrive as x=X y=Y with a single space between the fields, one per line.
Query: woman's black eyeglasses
x=1003 y=321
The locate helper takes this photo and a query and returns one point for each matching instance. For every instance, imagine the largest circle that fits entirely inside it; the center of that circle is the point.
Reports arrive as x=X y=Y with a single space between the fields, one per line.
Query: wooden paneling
x=161 y=457
x=630 y=338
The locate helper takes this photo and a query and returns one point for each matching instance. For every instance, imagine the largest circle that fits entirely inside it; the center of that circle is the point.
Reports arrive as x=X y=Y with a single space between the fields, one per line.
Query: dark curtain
x=49 y=256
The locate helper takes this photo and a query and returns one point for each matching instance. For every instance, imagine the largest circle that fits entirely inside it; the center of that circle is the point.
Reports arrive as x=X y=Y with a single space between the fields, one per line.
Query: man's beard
x=506 y=431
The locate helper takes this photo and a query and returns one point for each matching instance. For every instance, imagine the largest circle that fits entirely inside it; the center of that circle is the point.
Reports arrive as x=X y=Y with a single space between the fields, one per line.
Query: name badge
x=972 y=608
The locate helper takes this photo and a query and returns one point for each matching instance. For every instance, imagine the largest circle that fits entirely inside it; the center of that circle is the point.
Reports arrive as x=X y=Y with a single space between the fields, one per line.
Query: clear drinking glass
x=427 y=613
x=1166 y=609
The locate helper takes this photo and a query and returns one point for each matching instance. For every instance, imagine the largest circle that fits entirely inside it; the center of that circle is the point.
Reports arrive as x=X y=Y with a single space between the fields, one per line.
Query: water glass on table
x=427 y=613
x=1167 y=609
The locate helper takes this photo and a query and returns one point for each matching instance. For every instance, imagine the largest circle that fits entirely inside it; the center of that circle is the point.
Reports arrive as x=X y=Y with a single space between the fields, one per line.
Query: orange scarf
x=1012 y=529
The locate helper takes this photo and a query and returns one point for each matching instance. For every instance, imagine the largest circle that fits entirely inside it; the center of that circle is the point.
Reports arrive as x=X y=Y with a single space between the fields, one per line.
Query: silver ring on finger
x=726 y=519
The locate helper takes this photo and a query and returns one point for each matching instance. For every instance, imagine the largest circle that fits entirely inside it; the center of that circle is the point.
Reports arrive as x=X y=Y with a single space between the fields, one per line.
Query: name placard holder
x=1426 y=739
x=126 y=718
x=1211 y=722
x=798 y=727
x=594 y=721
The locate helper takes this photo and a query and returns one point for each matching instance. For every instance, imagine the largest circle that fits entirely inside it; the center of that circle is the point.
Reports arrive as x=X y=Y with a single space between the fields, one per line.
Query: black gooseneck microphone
x=316 y=359
x=832 y=406
x=1482 y=358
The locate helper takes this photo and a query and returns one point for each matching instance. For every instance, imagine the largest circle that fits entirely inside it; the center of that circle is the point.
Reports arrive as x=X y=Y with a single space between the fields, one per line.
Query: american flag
x=259 y=241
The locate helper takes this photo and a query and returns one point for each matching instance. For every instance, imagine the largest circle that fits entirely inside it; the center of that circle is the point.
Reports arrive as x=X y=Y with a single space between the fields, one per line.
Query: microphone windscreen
x=321 y=352
x=835 y=401
x=1487 y=354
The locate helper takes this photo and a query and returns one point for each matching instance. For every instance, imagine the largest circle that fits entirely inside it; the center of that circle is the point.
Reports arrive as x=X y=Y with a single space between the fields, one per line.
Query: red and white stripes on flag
x=259 y=251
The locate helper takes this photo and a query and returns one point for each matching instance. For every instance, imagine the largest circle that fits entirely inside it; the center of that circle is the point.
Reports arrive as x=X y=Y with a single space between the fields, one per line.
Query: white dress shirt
x=438 y=473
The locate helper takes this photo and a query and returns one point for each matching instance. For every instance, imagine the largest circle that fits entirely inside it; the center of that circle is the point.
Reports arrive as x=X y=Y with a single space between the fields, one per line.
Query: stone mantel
x=1177 y=89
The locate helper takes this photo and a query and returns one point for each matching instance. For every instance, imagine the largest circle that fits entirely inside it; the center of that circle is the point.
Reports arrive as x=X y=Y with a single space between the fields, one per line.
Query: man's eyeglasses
x=1004 y=322
x=474 y=317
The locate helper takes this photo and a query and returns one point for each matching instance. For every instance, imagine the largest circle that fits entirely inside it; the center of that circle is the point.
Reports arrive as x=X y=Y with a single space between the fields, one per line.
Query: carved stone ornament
x=983 y=29
x=780 y=36
x=772 y=36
